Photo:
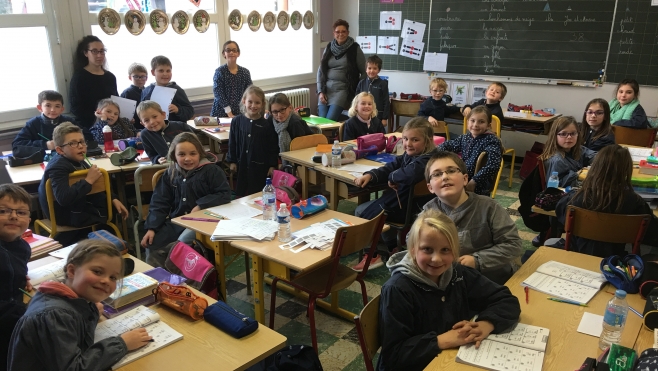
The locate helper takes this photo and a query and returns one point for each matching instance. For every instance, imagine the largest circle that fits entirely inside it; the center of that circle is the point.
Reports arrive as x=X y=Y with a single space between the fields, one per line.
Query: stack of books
x=135 y=290
x=40 y=245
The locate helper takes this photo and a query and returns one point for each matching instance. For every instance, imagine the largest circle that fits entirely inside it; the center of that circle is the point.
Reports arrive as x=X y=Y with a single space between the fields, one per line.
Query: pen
x=43 y=136
x=636 y=312
x=527 y=294
x=28 y=294
x=567 y=302
x=200 y=219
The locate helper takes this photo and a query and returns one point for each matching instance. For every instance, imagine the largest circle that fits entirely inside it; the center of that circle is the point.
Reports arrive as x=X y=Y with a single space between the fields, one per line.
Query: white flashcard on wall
x=459 y=93
x=390 y=20
x=478 y=91
x=413 y=30
x=437 y=62
x=387 y=44
x=412 y=49
x=368 y=44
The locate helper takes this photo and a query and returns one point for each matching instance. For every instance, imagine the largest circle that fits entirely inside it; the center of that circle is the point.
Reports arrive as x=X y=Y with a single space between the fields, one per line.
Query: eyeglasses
x=340 y=32
x=564 y=135
x=80 y=144
x=282 y=111
x=136 y=77
x=450 y=171
x=595 y=113
x=21 y=213
x=227 y=50
x=434 y=91
x=96 y=51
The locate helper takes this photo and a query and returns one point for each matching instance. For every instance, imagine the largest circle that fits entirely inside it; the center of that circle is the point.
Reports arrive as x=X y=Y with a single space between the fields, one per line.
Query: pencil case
x=182 y=299
x=310 y=206
x=619 y=273
x=229 y=320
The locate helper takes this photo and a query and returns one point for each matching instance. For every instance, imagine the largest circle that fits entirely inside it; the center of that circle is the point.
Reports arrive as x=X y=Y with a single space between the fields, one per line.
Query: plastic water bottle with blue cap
x=614 y=320
x=269 y=201
x=553 y=181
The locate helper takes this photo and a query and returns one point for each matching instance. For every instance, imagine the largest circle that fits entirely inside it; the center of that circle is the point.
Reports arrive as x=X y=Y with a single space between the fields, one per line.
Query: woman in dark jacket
x=342 y=66
x=287 y=124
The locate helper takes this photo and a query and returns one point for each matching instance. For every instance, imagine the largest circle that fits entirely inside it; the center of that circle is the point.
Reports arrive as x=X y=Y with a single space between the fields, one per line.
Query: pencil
x=567 y=302
x=398 y=196
x=43 y=136
x=26 y=293
x=86 y=159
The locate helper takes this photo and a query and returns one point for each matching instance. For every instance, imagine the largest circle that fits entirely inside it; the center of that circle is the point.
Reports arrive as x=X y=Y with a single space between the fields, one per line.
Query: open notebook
x=520 y=348
x=565 y=282
x=162 y=334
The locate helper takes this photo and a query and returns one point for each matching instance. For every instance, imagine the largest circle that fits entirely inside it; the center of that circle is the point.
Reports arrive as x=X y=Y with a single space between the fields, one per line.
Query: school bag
x=287 y=186
x=186 y=261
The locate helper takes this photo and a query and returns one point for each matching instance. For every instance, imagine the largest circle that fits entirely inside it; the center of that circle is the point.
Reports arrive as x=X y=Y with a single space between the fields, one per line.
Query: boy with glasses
x=180 y=108
x=73 y=207
x=138 y=75
x=434 y=108
x=488 y=238
x=14 y=255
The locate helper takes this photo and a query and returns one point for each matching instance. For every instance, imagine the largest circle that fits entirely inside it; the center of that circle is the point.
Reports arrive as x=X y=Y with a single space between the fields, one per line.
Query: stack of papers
x=318 y=236
x=235 y=210
x=249 y=229
x=638 y=154
x=41 y=245
x=565 y=282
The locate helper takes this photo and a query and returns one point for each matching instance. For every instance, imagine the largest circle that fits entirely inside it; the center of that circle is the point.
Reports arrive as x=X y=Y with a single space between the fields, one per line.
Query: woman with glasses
x=342 y=66
x=90 y=82
x=229 y=83
x=595 y=128
x=564 y=152
x=287 y=124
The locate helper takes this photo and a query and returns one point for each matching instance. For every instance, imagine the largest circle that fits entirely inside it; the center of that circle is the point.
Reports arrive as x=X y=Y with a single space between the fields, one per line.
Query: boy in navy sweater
x=434 y=108
x=377 y=87
x=180 y=108
x=138 y=75
x=158 y=132
x=38 y=131
x=495 y=94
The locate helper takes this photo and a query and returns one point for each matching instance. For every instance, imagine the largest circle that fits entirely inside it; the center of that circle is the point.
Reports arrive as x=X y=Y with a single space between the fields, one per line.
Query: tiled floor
x=337 y=338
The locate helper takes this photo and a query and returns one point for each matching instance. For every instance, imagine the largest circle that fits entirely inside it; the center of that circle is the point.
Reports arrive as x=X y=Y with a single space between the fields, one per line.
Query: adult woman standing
x=341 y=68
x=229 y=83
x=91 y=82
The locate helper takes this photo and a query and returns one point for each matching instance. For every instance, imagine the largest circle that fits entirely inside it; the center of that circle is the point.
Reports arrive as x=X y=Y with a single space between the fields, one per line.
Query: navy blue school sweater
x=379 y=89
x=185 y=109
x=436 y=108
x=29 y=134
x=354 y=128
x=156 y=143
x=494 y=108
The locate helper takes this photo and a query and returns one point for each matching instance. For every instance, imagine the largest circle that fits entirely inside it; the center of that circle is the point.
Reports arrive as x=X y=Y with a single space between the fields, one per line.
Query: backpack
x=186 y=261
x=530 y=188
x=296 y=358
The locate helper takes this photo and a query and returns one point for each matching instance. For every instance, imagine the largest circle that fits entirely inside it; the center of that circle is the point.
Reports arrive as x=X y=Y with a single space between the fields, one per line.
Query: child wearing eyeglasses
x=488 y=236
x=137 y=74
x=564 y=152
x=434 y=108
x=14 y=255
x=287 y=124
x=73 y=206
x=595 y=128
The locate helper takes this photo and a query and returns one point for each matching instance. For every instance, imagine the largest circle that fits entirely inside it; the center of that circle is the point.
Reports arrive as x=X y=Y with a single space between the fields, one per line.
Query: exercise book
x=565 y=282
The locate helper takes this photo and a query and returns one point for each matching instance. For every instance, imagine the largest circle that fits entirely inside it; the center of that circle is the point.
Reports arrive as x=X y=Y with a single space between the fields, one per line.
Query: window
x=277 y=53
x=21 y=7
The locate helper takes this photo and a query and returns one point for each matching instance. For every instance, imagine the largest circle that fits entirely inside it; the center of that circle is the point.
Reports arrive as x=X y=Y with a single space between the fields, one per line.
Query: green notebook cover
x=318 y=120
x=621 y=358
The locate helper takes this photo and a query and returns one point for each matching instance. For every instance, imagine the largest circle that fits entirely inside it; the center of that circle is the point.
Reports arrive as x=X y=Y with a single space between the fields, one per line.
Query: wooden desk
x=527 y=117
x=338 y=180
x=567 y=348
x=303 y=159
x=320 y=124
x=644 y=338
x=216 y=139
x=268 y=257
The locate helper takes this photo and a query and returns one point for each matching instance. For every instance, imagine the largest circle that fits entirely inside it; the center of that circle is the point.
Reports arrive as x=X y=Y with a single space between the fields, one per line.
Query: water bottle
x=335 y=155
x=107 y=139
x=269 y=201
x=283 y=216
x=614 y=320
x=553 y=181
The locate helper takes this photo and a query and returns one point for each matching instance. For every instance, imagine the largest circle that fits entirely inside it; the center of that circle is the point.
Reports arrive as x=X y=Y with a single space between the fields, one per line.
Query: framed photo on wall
x=459 y=92
x=478 y=91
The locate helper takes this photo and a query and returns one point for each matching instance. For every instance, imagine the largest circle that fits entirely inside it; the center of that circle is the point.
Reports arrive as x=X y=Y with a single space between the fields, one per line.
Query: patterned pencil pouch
x=624 y=274
x=311 y=206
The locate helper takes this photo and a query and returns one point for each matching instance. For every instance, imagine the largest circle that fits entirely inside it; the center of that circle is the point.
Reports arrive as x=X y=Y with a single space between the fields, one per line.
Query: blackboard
x=554 y=39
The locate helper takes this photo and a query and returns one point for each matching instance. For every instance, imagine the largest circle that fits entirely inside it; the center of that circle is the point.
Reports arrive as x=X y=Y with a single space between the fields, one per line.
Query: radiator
x=298 y=97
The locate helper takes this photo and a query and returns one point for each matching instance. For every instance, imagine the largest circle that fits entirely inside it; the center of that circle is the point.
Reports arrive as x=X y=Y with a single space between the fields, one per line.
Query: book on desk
x=565 y=282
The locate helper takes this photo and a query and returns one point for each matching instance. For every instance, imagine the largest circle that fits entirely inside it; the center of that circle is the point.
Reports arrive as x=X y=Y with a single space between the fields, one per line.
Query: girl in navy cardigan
x=470 y=145
x=401 y=176
x=363 y=118
x=190 y=184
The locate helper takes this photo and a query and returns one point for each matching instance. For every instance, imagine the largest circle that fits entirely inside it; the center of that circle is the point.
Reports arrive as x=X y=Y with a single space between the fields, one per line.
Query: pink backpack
x=288 y=187
x=187 y=262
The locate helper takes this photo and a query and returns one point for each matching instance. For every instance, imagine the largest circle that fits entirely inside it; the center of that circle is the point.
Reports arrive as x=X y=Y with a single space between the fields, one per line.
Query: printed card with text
x=390 y=20
x=387 y=44
x=413 y=30
x=412 y=49
x=368 y=44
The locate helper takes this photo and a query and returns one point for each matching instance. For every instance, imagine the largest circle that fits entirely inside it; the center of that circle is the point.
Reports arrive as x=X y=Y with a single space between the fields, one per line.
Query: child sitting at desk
x=14 y=255
x=57 y=330
x=363 y=118
x=108 y=113
x=73 y=207
x=595 y=128
x=159 y=132
x=496 y=92
x=427 y=304
x=478 y=140
x=488 y=236
x=607 y=188
x=401 y=176
x=564 y=153
x=191 y=183
x=434 y=108
x=180 y=108
x=38 y=131
x=625 y=109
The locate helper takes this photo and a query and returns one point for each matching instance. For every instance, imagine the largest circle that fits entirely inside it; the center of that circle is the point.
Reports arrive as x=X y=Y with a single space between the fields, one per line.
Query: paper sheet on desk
x=163 y=96
x=255 y=228
x=515 y=114
x=126 y=106
x=236 y=210
x=638 y=154
x=356 y=168
x=591 y=324
x=64 y=252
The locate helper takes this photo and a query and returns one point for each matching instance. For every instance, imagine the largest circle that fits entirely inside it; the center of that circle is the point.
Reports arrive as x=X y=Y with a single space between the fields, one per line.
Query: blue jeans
x=332 y=112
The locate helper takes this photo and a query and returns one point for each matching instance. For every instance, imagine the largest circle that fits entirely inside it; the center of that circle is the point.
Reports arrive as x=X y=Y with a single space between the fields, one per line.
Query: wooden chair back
x=367 y=328
x=418 y=191
x=307 y=141
x=98 y=186
x=356 y=237
x=406 y=108
x=634 y=137
x=605 y=227
x=542 y=173
x=340 y=131
x=481 y=161
x=495 y=125
x=144 y=178
x=442 y=128
x=158 y=174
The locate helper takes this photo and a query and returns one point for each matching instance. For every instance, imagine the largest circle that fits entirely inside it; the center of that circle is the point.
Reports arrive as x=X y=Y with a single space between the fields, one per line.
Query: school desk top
x=205 y=347
x=567 y=348
x=317 y=120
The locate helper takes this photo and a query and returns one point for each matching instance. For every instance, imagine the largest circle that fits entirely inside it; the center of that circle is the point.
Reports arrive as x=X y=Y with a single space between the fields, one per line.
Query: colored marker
x=28 y=294
x=567 y=302
x=200 y=219
x=215 y=215
x=636 y=312
x=86 y=159
x=43 y=136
